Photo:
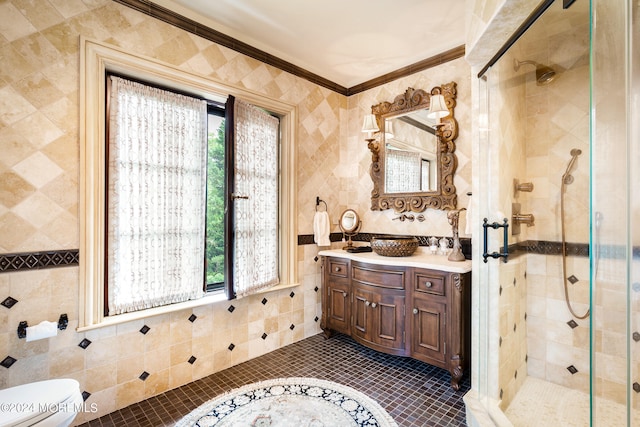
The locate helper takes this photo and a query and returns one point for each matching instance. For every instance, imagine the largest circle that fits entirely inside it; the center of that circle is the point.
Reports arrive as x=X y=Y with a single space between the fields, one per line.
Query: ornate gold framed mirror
x=413 y=162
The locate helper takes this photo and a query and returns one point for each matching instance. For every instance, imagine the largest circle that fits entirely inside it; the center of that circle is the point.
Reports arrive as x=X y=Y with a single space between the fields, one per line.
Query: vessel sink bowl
x=395 y=246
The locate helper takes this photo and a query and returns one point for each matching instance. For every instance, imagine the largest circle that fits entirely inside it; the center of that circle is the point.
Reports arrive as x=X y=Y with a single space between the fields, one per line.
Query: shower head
x=544 y=74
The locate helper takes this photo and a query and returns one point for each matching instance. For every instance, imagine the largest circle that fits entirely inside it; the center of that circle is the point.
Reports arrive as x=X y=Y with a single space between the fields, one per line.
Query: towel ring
x=318 y=201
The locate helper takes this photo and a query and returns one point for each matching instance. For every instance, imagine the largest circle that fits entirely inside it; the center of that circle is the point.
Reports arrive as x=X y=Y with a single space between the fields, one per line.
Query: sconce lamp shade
x=437 y=107
x=388 y=129
x=369 y=125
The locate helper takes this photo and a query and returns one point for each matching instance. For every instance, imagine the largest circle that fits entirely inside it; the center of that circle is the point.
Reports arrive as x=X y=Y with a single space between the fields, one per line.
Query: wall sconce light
x=370 y=126
x=437 y=107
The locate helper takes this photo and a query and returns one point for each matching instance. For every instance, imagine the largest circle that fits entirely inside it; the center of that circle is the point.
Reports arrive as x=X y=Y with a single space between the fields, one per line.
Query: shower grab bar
x=505 y=226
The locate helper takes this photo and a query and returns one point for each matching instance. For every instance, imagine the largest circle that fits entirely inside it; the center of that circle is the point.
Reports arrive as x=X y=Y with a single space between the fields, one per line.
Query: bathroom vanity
x=417 y=306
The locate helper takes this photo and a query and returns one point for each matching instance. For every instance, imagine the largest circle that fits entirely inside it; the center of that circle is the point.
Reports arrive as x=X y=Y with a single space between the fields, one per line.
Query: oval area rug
x=294 y=402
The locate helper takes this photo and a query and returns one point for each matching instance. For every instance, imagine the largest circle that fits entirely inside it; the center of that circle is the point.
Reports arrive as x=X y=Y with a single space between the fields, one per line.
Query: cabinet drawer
x=378 y=275
x=338 y=268
x=429 y=282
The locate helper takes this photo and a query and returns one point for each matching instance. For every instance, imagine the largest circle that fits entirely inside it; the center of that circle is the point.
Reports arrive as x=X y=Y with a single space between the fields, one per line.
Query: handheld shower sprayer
x=567 y=178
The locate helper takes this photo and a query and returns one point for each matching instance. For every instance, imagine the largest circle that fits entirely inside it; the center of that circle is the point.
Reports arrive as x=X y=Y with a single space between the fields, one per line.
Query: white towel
x=321 y=228
x=468 y=219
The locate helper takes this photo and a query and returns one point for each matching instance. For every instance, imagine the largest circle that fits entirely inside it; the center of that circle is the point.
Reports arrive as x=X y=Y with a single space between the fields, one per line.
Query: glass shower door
x=615 y=212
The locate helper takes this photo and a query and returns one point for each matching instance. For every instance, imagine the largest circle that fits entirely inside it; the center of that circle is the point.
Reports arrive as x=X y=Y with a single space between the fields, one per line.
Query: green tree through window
x=215 y=202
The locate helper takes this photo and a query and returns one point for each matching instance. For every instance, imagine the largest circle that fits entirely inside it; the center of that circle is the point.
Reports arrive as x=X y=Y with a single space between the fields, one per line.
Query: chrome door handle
x=238 y=196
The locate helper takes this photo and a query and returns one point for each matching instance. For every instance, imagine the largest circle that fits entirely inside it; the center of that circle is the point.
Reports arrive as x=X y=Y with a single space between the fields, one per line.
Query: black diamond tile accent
x=636 y=336
x=144 y=330
x=192 y=318
x=315 y=258
x=316 y=289
x=231 y=347
x=572 y=323
x=292 y=294
x=315 y=319
x=292 y=327
x=573 y=279
x=8 y=361
x=231 y=309
x=84 y=343
x=85 y=395
x=143 y=376
x=500 y=292
x=572 y=369
x=514 y=327
x=264 y=336
x=501 y=393
x=9 y=302
x=636 y=387
x=264 y=301
x=526 y=358
x=516 y=374
x=35 y=260
x=500 y=342
x=525 y=316
x=515 y=281
x=192 y=360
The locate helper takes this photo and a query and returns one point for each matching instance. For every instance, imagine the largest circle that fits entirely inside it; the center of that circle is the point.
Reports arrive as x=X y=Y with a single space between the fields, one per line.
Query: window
x=99 y=59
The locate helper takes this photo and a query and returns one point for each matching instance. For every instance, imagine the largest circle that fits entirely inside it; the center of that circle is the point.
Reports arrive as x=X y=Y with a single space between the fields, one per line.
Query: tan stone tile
x=129 y=344
x=14 y=189
x=130 y=368
x=180 y=374
x=38 y=90
x=66 y=361
x=14 y=146
x=129 y=393
x=37 y=209
x=101 y=377
x=14 y=25
x=180 y=353
x=13 y=107
x=101 y=352
x=157 y=360
x=64 y=152
x=157 y=383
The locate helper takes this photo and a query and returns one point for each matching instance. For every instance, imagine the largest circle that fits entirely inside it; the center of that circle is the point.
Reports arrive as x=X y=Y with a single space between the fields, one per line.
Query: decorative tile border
x=38 y=260
x=70 y=257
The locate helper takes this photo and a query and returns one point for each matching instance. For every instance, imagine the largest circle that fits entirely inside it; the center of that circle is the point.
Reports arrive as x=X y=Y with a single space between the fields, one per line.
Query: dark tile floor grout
x=414 y=393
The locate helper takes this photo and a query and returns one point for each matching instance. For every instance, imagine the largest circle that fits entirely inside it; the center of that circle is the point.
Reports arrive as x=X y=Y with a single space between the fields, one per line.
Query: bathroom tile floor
x=414 y=393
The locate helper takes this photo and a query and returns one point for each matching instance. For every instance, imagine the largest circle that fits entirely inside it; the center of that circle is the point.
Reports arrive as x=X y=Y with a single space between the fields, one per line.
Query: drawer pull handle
x=415 y=311
x=337 y=268
x=344 y=294
x=374 y=305
x=428 y=284
x=367 y=303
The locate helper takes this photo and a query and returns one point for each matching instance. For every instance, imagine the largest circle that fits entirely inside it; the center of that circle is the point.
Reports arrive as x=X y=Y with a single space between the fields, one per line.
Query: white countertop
x=419 y=259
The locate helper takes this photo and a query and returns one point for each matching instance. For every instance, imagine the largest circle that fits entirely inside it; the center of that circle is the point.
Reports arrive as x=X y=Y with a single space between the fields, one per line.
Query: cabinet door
x=388 y=315
x=338 y=308
x=428 y=334
x=361 y=307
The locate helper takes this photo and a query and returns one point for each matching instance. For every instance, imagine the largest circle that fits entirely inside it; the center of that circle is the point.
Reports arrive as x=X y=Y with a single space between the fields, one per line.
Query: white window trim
x=96 y=59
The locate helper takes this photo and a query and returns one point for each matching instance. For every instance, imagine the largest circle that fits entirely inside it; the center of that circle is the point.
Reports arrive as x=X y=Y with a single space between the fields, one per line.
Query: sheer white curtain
x=402 y=169
x=255 y=222
x=156 y=197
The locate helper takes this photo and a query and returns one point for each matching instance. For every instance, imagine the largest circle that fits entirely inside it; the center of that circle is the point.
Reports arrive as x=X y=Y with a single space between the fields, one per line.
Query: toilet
x=51 y=403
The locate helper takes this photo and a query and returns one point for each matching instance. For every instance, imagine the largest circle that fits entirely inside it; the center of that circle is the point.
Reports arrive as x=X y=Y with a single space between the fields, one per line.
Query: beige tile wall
x=39 y=171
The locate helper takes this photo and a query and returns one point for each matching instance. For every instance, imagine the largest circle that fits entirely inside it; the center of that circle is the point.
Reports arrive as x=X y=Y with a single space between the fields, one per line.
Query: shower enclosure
x=558 y=324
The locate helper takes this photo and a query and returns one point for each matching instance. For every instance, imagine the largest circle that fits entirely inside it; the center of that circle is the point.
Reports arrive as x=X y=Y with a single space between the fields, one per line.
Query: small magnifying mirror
x=349 y=224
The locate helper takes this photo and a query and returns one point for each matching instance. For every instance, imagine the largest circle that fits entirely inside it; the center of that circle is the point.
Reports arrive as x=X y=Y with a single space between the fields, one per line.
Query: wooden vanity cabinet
x=406 y=311
x=336 y=296
x=378 y=307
